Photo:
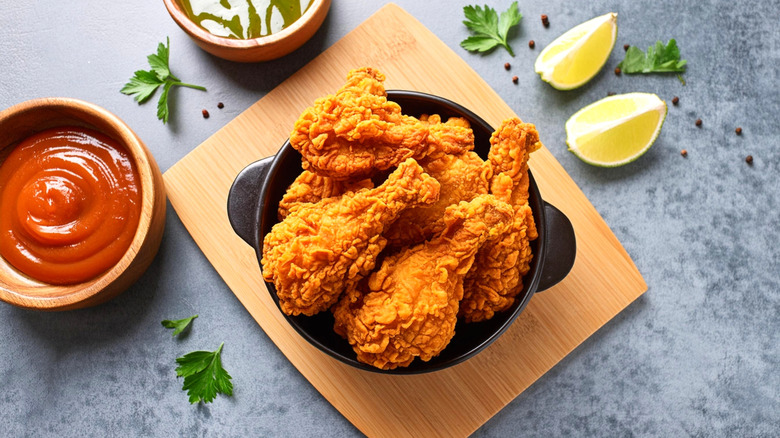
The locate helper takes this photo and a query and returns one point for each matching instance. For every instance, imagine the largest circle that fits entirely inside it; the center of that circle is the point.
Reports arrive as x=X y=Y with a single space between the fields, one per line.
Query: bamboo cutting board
x=455 y=401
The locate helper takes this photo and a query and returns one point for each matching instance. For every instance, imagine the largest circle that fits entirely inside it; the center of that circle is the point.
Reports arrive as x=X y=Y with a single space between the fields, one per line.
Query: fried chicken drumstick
x=358 y=132
x=497 y=275
x=462 y=177
x=309 y=188
x=320 y=249
x=409 y=307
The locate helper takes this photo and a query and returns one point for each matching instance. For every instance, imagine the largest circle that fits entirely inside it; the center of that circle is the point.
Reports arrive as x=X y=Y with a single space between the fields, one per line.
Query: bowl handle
x=561 y=248
x=243 y=197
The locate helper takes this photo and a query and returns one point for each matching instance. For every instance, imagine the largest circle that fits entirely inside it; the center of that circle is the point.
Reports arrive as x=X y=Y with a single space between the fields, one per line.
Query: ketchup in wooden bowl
x=71 y=200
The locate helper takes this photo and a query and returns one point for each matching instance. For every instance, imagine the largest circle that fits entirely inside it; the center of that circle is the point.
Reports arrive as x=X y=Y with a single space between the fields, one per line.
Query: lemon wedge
x=576 y=56
x=616 y=130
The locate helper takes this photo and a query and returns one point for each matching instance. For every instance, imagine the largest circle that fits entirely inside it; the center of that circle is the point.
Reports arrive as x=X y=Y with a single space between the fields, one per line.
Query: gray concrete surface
x=697 y=355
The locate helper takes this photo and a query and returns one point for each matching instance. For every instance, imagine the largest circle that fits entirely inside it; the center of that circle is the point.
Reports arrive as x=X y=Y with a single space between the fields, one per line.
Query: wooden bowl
x=256 y=49
x=27 y=118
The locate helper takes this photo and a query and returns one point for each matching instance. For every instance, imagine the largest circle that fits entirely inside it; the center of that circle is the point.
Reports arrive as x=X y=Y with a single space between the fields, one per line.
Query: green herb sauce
x=244 y=19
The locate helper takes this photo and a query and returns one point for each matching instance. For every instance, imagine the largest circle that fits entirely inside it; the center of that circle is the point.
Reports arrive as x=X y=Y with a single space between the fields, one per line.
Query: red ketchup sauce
x=70 y=202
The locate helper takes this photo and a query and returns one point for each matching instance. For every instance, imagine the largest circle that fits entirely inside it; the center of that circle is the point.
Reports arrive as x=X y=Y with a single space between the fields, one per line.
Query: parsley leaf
x=204 y=376
x=159 y=62
x=162 y=104
x=660 y=58
x=144 y=83
x=178 y=325
x=489 y=29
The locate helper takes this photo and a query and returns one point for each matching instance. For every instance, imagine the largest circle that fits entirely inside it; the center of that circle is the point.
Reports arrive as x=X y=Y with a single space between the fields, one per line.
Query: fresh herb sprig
x=204 y=376
x=144 y=83
x=660 y=58
x=178 y=325
x=489 y=29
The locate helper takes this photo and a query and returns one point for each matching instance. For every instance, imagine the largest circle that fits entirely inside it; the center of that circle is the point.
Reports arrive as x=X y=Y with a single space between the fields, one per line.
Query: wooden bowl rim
x=87 y=113
x=197 y=32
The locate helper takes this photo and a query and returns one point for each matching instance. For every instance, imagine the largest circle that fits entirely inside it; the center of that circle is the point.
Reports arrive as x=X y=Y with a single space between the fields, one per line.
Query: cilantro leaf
x=488 y=28
x=178 y=325
x=144 y=83
x=204 y=376
x=660 y=58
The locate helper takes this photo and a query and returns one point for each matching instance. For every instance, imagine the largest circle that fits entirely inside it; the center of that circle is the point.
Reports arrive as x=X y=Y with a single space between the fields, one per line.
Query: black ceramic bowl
x=252 y=208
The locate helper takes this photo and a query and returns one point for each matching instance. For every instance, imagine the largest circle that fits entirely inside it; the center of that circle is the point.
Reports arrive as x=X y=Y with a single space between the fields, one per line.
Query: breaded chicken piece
x=462 y=178
x=510 y=149
x=452 y=137
x=497 y=275
x=322 y=248
x=309 y=188
x=409 y=306
x=358 y=132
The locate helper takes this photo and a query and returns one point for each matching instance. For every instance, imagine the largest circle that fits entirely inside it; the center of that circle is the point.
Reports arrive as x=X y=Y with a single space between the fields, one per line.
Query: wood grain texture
x=455 y=401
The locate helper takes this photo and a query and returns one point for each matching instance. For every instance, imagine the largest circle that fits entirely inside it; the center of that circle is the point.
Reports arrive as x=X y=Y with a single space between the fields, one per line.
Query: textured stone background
x=697 y=355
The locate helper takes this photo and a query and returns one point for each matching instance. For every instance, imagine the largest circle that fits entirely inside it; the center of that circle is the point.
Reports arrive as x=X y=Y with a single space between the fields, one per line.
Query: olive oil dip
x=244 y=19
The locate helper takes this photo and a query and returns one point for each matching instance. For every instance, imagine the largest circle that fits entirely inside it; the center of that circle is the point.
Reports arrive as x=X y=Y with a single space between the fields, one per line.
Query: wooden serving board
x=455 y=401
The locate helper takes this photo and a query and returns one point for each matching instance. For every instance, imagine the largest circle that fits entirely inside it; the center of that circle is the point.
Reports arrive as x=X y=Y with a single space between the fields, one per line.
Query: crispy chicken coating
x=452 y=137
x=357 y=132
x=497 y=275
x=458 y=229
x=320 y=249
x=310 y=188
x=408 y=308
x=462 y=177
